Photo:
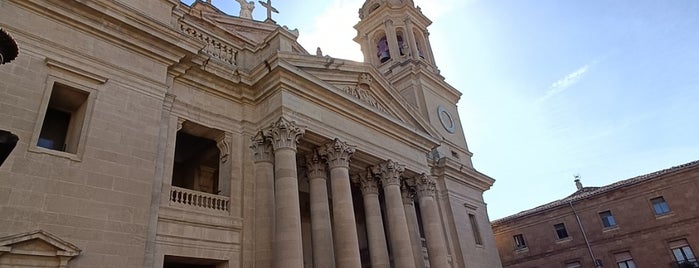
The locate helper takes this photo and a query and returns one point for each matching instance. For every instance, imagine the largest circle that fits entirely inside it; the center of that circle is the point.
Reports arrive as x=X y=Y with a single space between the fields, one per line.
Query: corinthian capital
x=389 y=172
x=425 y=186
x=337 y=153
x=284 y=134
x=315 y=166
x=262 y=148
x=367 y=183
x=408 y=193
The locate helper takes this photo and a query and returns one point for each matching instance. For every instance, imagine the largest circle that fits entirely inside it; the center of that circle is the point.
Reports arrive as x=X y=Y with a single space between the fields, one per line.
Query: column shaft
x=397 y=223
x=288 y=246
x=346 y=239
x=321 y=230
x=338 y=155
x=378 y=249
x=413 y=228
x=264 y=200
x=431 y=222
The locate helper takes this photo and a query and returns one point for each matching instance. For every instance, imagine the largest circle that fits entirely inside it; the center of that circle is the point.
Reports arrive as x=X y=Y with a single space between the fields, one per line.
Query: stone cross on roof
x=270 y=9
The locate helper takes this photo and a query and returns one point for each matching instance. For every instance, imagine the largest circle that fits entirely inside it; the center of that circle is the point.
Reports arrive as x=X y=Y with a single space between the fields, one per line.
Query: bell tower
x=394 y=39
x=392 y=32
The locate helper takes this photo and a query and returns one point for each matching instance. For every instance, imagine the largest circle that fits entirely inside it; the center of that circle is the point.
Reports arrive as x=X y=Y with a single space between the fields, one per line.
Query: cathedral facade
x=160 y=134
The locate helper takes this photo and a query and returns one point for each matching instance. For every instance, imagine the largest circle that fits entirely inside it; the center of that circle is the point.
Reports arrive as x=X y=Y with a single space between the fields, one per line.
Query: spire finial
x=270 y=9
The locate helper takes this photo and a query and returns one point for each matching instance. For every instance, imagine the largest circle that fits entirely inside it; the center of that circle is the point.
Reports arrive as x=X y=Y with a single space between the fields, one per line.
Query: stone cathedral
x=162 y=134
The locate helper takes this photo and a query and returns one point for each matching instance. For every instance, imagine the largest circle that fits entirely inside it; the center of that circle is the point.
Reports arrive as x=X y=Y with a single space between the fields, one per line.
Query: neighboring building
x=646 y=221
x=158 y=134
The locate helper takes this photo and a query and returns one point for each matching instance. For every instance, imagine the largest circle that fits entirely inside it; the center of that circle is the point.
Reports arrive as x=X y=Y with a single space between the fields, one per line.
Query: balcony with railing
x=190 y=199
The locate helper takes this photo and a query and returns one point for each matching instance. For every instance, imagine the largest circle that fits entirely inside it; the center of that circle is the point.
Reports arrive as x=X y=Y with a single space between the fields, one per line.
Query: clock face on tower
x=446 y=119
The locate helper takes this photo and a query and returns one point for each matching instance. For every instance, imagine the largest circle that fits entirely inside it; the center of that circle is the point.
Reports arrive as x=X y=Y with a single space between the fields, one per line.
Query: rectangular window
x=519 y=241
x=62 y=126
x=561 y=231
x=660 y=207
x=607 y=219
x=624 y=260
x=683 y=254
x=476 y=231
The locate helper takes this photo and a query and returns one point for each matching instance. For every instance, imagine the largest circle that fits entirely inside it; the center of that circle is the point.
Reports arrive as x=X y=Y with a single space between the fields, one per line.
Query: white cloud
x=564 y=83
x=333 y=31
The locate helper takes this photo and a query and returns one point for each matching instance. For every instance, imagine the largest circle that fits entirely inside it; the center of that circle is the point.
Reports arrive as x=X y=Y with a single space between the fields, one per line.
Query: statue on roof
x=246 y=9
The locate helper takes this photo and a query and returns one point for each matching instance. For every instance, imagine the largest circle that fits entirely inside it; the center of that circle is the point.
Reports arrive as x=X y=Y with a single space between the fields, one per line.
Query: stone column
x=390 y=173
x=288 y=246
x=412 y=41
x=378 y=249
x=392 y=39
x=408 y=193
x=338 y=154
x=264 y=200
x=321 y=231
x=431 y=221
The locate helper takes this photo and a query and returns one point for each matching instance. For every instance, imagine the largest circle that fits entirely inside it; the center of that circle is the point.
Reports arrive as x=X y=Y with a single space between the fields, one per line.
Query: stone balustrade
x=186 y=198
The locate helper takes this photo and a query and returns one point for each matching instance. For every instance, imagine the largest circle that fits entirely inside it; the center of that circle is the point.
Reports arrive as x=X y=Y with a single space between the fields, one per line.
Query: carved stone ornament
x=425 y=185
x=262 y=148
x=389 y=172
x=337 y=153
x=284 y=134
x=364 y=96
x=315 y=166
x=367 y=183
x=365 y=79
x=408 y=194
x=223 y=142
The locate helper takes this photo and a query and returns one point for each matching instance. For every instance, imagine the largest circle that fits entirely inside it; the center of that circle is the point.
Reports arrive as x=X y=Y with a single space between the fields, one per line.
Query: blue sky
x=604 y=89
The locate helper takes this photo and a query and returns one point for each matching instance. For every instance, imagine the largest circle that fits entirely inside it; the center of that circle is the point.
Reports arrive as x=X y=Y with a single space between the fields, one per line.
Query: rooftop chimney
x=577 y=182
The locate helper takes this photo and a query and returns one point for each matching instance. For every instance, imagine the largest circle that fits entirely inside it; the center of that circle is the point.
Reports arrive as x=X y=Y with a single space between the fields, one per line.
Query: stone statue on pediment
x=246 y=9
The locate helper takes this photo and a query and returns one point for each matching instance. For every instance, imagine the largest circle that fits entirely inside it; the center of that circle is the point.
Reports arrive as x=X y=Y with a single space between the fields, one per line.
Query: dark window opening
x=561 y=231
x=519 y=241
x=607 y=219
x=63 y=120
x=196 y=164
x=476 y=232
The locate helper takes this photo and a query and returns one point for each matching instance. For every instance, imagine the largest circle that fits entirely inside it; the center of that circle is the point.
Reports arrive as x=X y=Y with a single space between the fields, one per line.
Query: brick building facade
x=647 y=221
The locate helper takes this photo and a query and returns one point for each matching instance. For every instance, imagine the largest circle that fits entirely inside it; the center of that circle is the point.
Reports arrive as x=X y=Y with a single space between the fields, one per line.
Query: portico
x=356 y=204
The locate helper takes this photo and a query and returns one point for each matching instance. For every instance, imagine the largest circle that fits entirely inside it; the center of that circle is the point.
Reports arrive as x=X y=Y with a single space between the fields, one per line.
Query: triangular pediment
x=37 y=243
x=360 y=83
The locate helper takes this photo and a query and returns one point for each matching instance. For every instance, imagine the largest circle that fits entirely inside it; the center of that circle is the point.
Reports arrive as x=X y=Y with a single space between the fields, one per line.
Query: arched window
x=419 y=42
x=382 y=51
x=402 y=46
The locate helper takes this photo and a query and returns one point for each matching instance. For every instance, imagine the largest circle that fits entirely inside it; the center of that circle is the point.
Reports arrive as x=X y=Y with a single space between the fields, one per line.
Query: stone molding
x=389 y=172
x=337 y=153
x=367 y=183
x=425 y=186
x=262 y=148
x=315 y=167
x=284 y=134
